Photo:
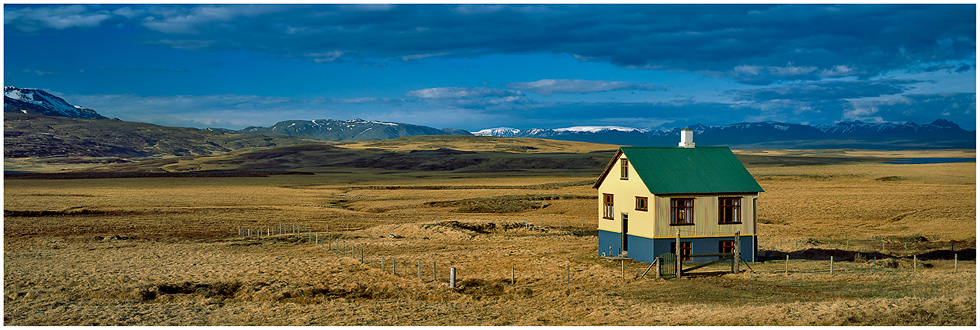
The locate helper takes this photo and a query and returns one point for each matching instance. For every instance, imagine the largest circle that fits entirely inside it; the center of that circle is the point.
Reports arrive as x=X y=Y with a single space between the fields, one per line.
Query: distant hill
x=328 y=158
x=38 y=102
x=348 y=130
x=75 y=140
x=939 y=134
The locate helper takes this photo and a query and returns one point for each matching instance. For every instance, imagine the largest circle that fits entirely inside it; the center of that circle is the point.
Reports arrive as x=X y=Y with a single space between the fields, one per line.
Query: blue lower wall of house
x=609 y=241
x=644 y=249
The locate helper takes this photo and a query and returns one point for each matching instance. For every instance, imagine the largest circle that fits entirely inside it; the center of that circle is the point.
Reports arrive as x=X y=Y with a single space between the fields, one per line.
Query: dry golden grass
x=165 y=251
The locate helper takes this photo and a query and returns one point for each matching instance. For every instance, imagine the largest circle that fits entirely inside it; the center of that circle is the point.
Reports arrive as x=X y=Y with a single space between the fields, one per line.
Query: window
x=682 y=211
x=685 y=254
x=607 y=206
x=624 y=169
x=726 y=246
x=729 y=209
x=642 y=203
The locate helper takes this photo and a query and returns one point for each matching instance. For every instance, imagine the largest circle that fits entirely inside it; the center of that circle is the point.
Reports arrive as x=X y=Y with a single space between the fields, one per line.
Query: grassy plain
x=166 y=251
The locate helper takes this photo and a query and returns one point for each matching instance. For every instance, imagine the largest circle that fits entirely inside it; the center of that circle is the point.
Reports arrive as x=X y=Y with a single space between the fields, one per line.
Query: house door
x=625 y=227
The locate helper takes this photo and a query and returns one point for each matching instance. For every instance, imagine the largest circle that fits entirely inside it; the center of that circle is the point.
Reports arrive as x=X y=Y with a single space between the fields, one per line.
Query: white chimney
x=687 y=138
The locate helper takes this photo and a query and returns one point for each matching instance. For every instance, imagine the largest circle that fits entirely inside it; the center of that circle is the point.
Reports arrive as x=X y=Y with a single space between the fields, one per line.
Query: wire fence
x=796 y=256
x=906 y=246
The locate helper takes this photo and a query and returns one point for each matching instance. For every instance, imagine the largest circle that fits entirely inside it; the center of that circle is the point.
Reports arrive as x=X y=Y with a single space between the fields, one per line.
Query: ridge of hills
x=347 y=130
x=63 y=140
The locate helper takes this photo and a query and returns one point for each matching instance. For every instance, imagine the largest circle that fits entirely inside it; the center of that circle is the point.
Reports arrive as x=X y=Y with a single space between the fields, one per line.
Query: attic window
x=682 y=211
x=729 y=209
x=624 y=169
x=607 y=206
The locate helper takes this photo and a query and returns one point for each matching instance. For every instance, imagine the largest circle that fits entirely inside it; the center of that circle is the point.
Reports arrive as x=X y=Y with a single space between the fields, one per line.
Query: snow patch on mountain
x=29 y=100
x=499 y=131
x=597 y=129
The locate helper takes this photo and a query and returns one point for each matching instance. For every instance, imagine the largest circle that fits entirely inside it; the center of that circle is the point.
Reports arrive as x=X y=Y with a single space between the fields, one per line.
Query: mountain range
x=853 y=134
x=347 y=130
x=23 y=104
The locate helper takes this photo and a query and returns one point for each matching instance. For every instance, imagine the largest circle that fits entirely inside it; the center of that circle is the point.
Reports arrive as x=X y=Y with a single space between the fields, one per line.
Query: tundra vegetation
x=144 y=243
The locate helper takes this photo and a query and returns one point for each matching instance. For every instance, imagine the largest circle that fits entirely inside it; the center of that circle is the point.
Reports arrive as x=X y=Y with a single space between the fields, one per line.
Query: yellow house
x=646 y=194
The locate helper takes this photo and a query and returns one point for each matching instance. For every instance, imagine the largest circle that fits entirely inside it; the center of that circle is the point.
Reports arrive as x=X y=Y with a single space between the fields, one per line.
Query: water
x=930 y=160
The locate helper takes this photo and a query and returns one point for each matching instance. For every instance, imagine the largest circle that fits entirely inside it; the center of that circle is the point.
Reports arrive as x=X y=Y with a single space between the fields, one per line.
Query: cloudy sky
x=482 y=66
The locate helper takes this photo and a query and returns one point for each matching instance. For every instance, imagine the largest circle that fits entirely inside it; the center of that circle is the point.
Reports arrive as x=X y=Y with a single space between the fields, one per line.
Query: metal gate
x=668 y=265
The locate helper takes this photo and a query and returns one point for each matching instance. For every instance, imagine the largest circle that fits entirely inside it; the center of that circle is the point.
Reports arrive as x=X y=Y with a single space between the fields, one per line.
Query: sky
x=482 y=66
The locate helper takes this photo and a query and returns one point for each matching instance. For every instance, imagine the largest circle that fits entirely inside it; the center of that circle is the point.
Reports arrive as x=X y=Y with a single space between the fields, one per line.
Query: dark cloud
x=754 y=44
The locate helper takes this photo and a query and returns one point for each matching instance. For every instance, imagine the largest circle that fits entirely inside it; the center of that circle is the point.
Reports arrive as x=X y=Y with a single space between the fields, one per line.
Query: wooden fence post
x=831 y=265
x=915 y=263
x=677 y=252
x=452 y=277
x=434 y=277
x=737 y=254
x=955 y=266
x=874 y=265
x=787 y=264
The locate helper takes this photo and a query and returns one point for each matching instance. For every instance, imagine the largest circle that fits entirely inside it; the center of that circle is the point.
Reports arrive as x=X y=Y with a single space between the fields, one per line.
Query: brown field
x=166 y=250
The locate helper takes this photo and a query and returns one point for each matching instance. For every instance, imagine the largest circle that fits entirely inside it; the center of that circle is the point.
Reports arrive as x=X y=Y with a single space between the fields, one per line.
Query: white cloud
x=421 y=56
x=32 y=19
x=480 y=97
x=548 y=87
x=326 y=56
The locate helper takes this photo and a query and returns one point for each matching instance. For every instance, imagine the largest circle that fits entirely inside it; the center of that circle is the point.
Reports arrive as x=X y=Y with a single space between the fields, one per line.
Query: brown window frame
x=735 y=210
x=686 y=210
x=644 y=206
x=624 y=169
x=687 y=249
x=726 y=246
x=607 y=207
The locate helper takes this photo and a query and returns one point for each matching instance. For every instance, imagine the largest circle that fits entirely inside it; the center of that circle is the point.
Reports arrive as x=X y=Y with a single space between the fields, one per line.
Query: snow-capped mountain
x=38 y=102
x=347 y=130
x=499 y=131
x=855 y=134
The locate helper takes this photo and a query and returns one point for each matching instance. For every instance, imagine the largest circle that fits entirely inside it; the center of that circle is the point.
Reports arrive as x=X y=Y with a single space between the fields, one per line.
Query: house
x=646 y=194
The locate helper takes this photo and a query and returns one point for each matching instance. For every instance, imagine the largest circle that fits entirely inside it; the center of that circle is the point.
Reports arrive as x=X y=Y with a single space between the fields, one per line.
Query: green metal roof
x=690 y=170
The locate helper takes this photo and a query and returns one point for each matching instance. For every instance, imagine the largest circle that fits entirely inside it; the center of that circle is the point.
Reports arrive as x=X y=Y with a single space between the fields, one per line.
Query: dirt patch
x=207 y=290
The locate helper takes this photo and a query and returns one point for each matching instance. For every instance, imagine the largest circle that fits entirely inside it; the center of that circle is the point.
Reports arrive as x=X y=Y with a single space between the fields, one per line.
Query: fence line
x=333 y=243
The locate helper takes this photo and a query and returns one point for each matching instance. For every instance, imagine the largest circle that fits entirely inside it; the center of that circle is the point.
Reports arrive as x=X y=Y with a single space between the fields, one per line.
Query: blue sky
x=481 y=66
